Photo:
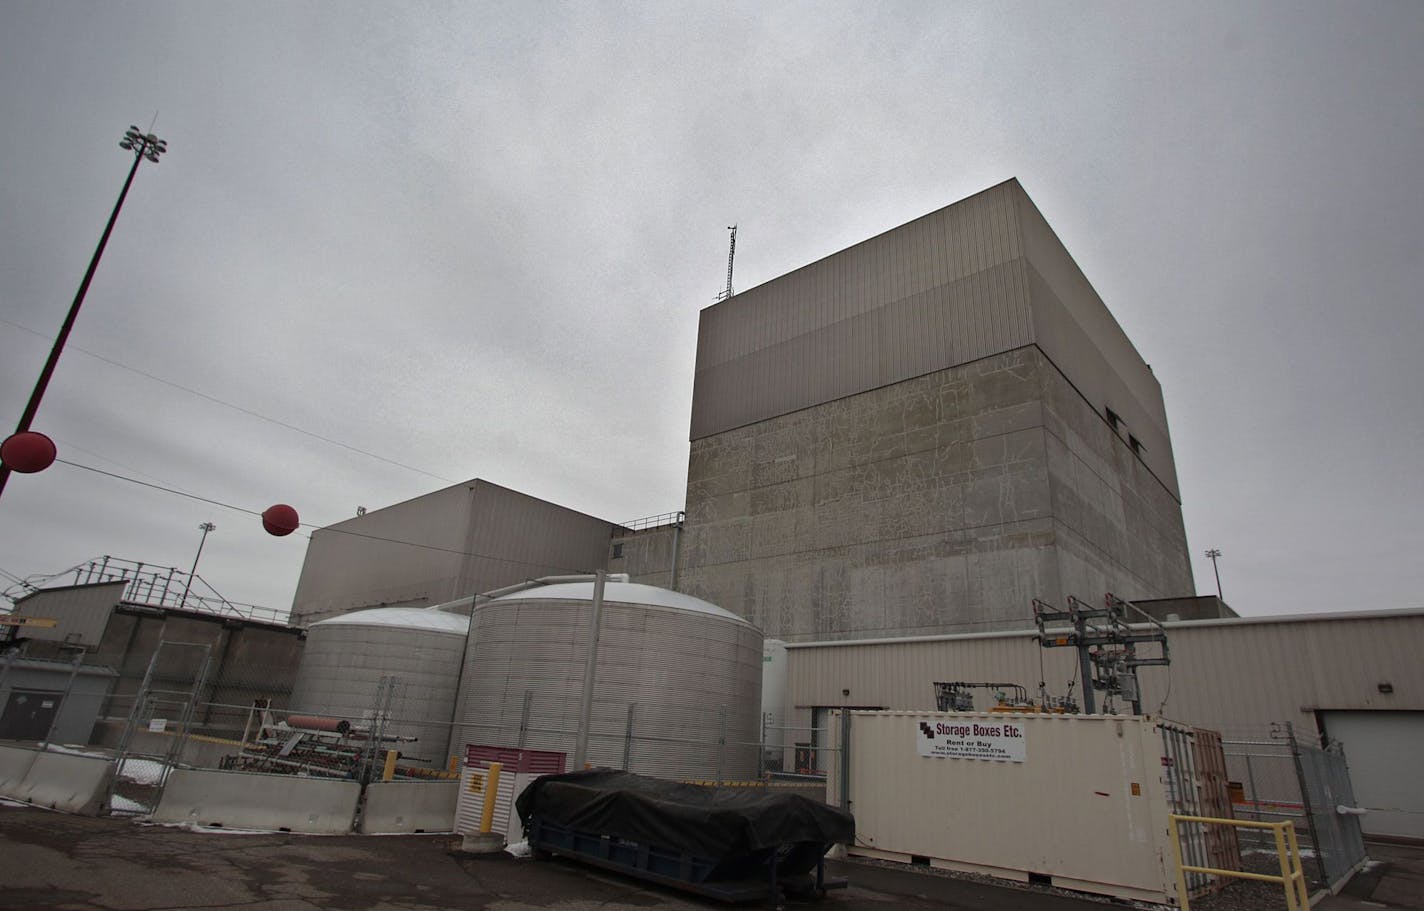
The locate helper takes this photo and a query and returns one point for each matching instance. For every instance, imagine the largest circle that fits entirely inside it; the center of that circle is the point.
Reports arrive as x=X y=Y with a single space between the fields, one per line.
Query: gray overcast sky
x=474 y=239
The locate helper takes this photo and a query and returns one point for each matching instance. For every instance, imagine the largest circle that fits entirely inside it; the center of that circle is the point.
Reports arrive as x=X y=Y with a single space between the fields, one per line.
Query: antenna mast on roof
x=731 y=255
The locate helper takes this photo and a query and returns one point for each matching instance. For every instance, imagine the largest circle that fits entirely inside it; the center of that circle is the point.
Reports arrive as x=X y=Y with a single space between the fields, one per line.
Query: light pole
x=206 y=527
x=1213 y=553
x=143 y=145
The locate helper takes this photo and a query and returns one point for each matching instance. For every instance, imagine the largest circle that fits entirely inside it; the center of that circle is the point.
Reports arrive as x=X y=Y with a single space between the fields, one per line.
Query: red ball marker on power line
x=28 y=452
x=280 y=520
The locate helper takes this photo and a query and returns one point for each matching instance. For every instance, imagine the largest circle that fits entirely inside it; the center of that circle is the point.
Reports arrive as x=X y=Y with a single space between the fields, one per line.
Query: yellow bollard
x=390 y=771
x=491 y=792
x=453 y=765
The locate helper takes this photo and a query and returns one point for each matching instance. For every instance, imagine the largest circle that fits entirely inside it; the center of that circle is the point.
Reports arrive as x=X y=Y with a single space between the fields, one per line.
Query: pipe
x=590 y=673
x=317 y=723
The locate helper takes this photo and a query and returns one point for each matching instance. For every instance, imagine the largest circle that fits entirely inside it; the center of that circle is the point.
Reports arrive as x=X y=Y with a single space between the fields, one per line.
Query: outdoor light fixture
x=146 y=145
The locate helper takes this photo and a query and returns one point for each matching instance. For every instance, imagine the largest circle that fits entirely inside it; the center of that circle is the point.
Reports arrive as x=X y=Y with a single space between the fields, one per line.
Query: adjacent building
x=446 y=545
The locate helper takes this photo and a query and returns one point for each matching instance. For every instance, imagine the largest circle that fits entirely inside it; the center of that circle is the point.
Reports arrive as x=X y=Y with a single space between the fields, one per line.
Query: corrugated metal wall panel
x=82 y=611
x=341 y=671
x=535 y=536
x=1232 y=676
x=675 y=668
x=748 y=341
x=941 y=326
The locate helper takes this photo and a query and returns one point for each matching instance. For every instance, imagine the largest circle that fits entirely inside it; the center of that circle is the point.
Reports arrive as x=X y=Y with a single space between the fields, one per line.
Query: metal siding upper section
x=982 y=276
x=1231 y=675
x=513 y=536
x=82 y=611
x=463 y=539
x=945 y=289
x=1073 y=326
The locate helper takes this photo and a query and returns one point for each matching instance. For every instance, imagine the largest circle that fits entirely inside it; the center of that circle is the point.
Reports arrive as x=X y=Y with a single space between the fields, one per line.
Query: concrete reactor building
x=921 y=433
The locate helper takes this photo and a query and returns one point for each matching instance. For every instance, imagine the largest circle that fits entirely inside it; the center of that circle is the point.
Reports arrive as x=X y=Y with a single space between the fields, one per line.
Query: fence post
x=761 y=749
x=524 y=719
x=628 y=738
x=844 y=763
x=721 y=743
x=190 y=709
x=1305 y=802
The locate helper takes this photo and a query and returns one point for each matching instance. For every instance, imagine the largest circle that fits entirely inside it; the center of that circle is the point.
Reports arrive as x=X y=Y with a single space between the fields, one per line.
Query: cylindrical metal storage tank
x=677 y=691
x=421 y=650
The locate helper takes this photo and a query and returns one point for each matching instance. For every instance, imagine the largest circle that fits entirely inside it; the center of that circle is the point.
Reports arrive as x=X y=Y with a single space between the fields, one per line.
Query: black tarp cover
x=705 y=822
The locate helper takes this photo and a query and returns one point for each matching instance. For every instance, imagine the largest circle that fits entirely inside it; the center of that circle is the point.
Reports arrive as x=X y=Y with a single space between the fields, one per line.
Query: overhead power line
x=341 y=531
x=247 y=411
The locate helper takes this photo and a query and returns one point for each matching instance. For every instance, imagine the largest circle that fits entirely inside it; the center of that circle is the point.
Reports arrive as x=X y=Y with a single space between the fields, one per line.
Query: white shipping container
x=1080 y=799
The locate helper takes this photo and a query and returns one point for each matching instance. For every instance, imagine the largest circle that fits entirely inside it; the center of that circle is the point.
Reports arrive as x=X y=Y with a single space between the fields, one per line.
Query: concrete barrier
x=394 y=807
x=15 y=764
x=246 y=800
x=64 y=781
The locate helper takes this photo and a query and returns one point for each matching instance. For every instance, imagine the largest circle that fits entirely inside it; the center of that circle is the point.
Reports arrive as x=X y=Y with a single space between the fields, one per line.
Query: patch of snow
x=620 y=593
x=413 y=618
x=73 y=749
x=119 y=804
x=143 y=771
x=518 y=849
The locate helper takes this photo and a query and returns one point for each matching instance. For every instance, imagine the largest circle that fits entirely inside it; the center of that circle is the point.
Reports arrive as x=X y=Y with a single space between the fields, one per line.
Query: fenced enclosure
x=185 y=710
x=1276 y=776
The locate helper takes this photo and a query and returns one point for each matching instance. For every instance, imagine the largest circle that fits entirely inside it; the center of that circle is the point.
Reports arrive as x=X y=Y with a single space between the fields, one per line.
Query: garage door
x=1384 y=751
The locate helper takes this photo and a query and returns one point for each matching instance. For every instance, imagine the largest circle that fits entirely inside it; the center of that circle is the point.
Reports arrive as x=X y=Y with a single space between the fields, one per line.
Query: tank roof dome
x=413 y=618
x=623 y=593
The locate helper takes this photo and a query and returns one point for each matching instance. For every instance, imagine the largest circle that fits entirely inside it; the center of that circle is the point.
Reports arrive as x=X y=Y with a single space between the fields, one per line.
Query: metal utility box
x=519 y=768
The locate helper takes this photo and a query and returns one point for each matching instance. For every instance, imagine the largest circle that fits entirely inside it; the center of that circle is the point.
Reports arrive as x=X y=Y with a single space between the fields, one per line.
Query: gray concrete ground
x=74 y=863
x=1394 y=880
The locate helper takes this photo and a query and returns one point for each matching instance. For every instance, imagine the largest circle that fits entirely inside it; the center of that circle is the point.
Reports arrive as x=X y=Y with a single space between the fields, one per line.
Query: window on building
x=1113 y=419
x=1135 y=443
x=618 y=551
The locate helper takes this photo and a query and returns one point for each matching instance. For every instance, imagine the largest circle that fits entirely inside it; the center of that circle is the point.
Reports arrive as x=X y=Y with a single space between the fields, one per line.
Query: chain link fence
x=1276 y=775
x=182 y=712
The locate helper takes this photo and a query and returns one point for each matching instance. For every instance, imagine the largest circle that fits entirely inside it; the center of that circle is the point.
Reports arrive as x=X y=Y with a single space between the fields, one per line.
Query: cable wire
x=252 y=512
x=225 y=404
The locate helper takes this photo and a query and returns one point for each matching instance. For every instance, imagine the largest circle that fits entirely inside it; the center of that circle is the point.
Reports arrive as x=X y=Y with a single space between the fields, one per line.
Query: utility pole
x=143 y=145
x=1213 y=553
x=206 y=527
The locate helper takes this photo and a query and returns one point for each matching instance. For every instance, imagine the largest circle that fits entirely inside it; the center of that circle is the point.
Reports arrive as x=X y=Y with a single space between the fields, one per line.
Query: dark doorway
x=28 y=716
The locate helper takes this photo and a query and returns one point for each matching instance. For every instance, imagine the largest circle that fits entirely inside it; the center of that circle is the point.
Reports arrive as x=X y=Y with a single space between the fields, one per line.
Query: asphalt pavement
x=74 y=863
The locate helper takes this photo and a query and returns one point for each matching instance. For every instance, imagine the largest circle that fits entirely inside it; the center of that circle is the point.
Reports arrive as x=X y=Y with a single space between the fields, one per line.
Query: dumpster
x=733 y=844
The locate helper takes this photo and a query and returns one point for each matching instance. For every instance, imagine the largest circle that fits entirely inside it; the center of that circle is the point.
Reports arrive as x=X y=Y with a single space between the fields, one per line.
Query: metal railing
x=151 y=585
x=658 y=521
x=1291 y=878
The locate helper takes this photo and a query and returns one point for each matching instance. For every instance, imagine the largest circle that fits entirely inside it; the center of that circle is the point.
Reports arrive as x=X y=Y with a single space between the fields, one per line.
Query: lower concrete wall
x=394 y=807
x=251 y=801
x=62 y=781
x=15 y=764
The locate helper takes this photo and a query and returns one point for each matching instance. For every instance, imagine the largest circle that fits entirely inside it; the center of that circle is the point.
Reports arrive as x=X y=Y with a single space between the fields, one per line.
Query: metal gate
x=165 y=703
x=1274 y=777
x=1194 y=771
